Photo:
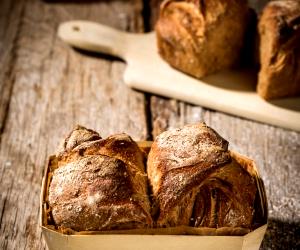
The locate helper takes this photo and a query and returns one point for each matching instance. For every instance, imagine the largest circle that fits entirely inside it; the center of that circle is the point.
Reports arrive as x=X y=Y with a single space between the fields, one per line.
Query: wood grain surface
x=46 y=88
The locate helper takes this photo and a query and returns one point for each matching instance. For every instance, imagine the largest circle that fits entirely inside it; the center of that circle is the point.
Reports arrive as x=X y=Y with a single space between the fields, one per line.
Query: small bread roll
x=279 y=31
x=195 y=181
x=201 y=37
x=99 y=184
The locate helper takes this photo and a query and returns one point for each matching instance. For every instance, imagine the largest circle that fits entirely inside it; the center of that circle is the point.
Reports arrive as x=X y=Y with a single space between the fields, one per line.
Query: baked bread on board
x=99 y=184
x=201 y=37
x=196 y=182
x=279 y=31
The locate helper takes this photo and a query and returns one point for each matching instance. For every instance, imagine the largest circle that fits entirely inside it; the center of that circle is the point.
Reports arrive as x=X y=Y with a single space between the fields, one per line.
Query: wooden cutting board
x=232 y=92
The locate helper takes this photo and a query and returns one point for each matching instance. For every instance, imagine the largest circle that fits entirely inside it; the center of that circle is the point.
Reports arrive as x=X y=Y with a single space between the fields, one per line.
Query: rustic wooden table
x=46 y=88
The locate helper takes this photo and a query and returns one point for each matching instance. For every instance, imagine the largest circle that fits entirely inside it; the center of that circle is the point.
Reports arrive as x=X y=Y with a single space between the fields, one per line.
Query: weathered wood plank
x=170 y=113
x=54 y=88
x=10 y=16
x=277 y=152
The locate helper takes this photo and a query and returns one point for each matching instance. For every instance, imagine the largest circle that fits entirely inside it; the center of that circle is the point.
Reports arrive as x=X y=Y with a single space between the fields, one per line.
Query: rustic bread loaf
x=201 y=37
x=279 y=30
x=196 y=182
x=99 y=184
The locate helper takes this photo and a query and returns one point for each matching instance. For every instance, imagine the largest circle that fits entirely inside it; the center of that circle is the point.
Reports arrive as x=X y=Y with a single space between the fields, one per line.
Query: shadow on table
x=292 y=103
x=281 y=235
x=242 y=79
x=98 y=55
x=245 y=80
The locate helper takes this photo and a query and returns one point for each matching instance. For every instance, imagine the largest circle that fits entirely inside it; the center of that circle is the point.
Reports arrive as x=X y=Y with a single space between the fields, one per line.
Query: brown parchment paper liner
x=260 y=217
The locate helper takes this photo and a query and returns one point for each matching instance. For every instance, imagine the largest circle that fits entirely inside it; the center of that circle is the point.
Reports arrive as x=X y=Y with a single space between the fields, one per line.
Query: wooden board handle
x=94 y=37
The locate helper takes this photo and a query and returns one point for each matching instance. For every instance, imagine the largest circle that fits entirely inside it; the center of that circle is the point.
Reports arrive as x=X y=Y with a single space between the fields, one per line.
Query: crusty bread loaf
x=196 y=182
x=99 y=184
x=279 y=30
x=201 y=37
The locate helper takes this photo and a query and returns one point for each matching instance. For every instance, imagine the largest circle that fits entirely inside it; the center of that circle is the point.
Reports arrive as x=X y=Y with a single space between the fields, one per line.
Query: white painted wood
x=232 y=92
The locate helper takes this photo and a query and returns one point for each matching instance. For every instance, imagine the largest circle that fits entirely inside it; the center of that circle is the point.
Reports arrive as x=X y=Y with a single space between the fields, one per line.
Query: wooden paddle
x=232 y=92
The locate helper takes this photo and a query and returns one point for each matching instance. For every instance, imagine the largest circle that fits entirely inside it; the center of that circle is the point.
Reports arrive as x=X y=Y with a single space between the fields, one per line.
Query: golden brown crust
x=279 y=30
x=201 y=37
x=76 y=137
x=194 y=180
x=231 y=192
x=99 y=184
x=179 y=160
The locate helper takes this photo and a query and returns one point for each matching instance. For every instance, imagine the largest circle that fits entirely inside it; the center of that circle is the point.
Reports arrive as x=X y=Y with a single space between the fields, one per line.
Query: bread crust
x=279 y=31
x=194 y=180
x=99 y=184
x=231 y=192
x=201 y=37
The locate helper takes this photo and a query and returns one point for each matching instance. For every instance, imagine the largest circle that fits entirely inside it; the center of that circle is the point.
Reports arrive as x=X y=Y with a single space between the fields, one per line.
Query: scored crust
x=99 y=184
x=201 y=37
x=231 y=192
x=195 y=181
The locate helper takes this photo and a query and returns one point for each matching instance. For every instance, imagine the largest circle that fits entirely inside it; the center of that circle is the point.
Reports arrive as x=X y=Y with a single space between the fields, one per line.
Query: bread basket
x=150 y=239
